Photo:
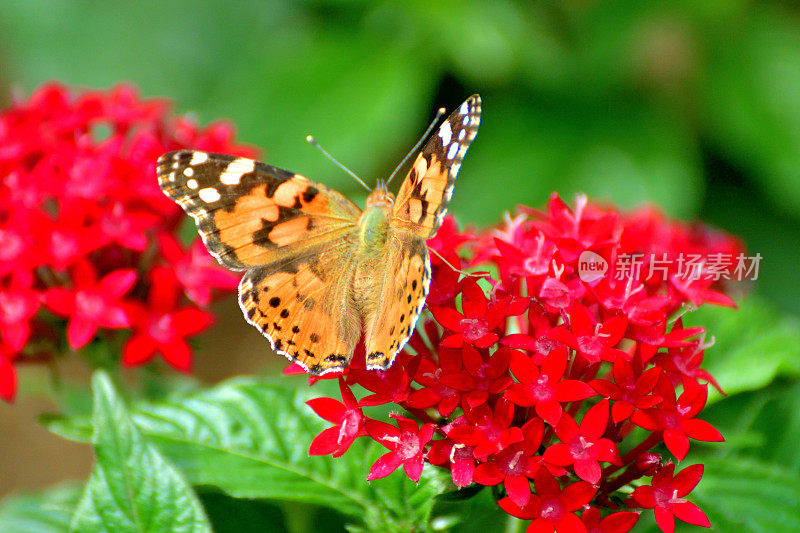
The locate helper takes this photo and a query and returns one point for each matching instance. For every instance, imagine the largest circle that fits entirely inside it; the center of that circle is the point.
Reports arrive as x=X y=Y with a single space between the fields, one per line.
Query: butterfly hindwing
x=304 y=308
x=425 y=194
x=250 y=213
x=399 y=297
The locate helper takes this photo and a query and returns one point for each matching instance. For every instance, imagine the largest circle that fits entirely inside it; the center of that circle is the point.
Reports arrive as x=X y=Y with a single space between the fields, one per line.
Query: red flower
x=459 y=456
x=665 y=495
x=515 y=464
x=544 y=389
x=72 y=203
x=594 y=340
x=18 y=304
x=628 y=391
x=162 y=327
x=488 y=432
x=196 y=270
x=677 y=418
x=479 y=320
x=8 y=376
x=620 y=522
x=583 y=447
x=407 y=445
x=605 y=336
x=91 y=304
x=551 y=508
x=348 y=420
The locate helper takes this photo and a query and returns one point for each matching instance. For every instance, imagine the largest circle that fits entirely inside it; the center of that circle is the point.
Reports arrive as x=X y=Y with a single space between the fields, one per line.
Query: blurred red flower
x=83 y=223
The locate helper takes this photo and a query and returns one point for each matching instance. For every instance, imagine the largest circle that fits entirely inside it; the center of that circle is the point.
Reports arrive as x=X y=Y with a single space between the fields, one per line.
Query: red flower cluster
x=87 y=240
x=558 y=387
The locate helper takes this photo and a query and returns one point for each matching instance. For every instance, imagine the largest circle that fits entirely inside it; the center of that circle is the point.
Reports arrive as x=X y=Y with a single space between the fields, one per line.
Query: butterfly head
x=380 y=196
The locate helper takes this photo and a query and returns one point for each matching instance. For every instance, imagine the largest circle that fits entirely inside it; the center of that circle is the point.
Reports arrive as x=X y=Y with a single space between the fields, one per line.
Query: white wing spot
x=198 y=158
x=464 y=109
x=192 y=184
x=462 y=134
x=188 y=172
x=451 y=153
x=446 y=133
x=209 y=195
x=465 y=121
x=235 y=170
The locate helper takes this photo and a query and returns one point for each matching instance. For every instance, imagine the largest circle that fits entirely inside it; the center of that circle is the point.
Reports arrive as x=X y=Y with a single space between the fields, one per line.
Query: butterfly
x=319 y=270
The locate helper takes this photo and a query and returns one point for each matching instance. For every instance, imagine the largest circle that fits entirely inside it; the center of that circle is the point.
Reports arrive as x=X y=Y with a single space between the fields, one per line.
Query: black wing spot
x=285 y=313
x=314 y=337
x=309 y=194
x=295 y=329
x=274 y=301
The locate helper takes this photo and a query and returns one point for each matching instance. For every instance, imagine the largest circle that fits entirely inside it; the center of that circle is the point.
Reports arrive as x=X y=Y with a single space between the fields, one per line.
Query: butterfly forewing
x=250 y=213
x=425 y=194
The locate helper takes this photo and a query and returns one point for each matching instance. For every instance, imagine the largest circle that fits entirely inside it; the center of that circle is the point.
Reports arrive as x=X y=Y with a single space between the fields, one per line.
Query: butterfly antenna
x=313 y=142
x=413 y=150
x=462 y=272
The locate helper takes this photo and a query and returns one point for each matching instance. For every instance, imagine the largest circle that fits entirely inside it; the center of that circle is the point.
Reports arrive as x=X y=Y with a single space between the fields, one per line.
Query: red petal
x=190 y=321
x=117 y=283
x=523 y=368
x=384 y=466
x=519 y=489
x=447 y=317
x=413 y=467
x=520 y=394
x=328 y=408
x=702 y=430
x=555 y=364
x=664 y=520
x=381 y=430
x=621 y=522
x=595 y=420
x=569 y=523
x=677 y=443
x=8 y=380
x=558 y=454
x=588 y=470
x=139 y=349
x=178 y=354
x=79 y=332
x=687 y=479
x=621 y=411
x=325 y=443
x=577 y=495
x=572 y=390
x=60 y=301
x=550 y=411
x=690 y=513
x=487 y=474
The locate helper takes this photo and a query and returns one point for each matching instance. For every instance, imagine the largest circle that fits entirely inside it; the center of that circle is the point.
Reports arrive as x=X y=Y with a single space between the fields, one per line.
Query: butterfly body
x=320 y=271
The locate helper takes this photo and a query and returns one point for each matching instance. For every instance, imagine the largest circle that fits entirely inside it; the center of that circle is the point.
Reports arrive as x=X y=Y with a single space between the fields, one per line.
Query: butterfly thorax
x=374 y=221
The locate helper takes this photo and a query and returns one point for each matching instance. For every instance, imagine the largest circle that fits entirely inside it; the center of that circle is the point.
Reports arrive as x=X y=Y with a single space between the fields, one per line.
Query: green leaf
x=250 y=438
x=740 y=494
x=755 y=117
x=132 y=488
x=43 y=512
x=754 y=345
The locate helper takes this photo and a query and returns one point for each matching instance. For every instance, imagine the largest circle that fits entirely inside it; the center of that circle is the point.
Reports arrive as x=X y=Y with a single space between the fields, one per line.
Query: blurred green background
x=690 y=105
x=694 y=106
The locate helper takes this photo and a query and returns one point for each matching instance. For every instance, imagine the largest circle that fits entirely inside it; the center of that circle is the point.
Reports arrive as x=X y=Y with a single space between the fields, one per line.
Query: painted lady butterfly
x=319 y=269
